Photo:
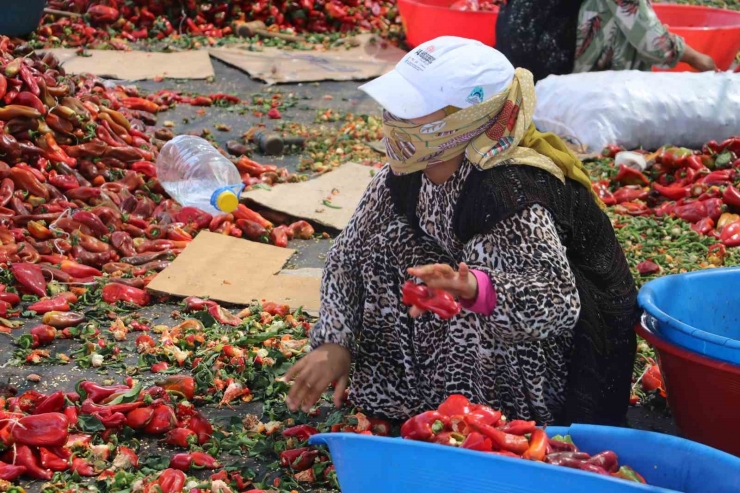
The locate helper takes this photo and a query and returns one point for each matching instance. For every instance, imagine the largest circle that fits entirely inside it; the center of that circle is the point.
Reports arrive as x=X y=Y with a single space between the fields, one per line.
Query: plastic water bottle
x=195 y=174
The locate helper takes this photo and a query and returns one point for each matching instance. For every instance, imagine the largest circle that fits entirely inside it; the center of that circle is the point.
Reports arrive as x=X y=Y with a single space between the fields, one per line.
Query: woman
x=477 y=202
x=554 y=38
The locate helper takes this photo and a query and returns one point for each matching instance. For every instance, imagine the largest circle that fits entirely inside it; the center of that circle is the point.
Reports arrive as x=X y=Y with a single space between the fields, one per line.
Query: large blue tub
x=367 y=464
x=20 y=17
x=698 y=311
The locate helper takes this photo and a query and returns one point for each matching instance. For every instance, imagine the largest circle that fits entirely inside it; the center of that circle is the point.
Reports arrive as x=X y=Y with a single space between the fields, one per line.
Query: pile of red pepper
x=697 y=186
x=158 y=19
x=43 y=434
x=79 y=197
x=458 y=423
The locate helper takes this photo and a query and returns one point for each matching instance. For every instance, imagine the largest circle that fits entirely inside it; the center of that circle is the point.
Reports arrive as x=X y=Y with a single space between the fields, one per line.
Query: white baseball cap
x=446 y=71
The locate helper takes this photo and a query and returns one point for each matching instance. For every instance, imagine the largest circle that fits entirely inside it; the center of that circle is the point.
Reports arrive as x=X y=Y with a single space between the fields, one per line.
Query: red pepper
x=629 y=176
x=55 y=153
x=626 y=472
x=57 y=303
x=30 y=277
x=163 y=420
x=31 y=100
x=29 y=79
x=10 y=472
x=425 y=426
x=704 y=226
x=195 y=460
x=63 y=182
x=223 y=316
x=25 y=457
x=125 y=458
x=139 y=104
x=82 y=467
x=72 y=415
x=93 y=222
x=436 y=301
x=53 y=403
x=607 y=460
x=182 y=384
x=454 y=405
x=476 y=441
x=730 y=235
x=692 y=211
x=719 y=177
x=279 y=236
x=26 y=180
x=10 y=298
x=181 y=437
x=200 y=425
x=731 y=196
x=114 y=292
x=189 y=215
x=601 y=188
x=139 y=418
x=300 y=432
x=113 y=420
x=252 y=230
x=98 y=393
x=302 y=230
x=672 y=192
x=159 y=367
x=501 y=440
x=611 y=151
x=519 y=428
x=648 y=268
x=244 y=212
x=171 y=481
x=42 y=430
x=485 y=414
x=537 y=446
x=630 y=193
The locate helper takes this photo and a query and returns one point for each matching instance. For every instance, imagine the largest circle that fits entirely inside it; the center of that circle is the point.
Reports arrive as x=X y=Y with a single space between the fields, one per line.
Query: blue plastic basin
x=698 y=311
x=20 y=17
x=367 y=464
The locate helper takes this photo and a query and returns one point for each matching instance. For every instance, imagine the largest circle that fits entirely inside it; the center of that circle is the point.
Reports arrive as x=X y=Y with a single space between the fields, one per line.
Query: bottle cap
x=226 y=199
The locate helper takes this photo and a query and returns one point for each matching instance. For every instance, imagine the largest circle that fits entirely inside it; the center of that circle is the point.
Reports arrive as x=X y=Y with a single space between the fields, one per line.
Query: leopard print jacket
x=515 y=359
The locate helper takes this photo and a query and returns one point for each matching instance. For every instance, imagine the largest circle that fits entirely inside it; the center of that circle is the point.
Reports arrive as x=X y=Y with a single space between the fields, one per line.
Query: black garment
x=539 y=35
x=604 y=346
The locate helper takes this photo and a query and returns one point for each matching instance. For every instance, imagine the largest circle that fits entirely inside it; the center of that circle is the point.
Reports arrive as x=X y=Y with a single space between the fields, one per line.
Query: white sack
x=640 y=109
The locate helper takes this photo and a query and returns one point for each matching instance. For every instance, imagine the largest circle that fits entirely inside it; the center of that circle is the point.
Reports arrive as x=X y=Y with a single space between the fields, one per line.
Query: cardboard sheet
x=237 y=271
x=137 y=65
x=272 y=65
x=344 y=185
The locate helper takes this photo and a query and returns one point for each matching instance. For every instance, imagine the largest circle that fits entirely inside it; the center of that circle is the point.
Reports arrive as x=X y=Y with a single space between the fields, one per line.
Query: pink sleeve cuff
x=485 y=303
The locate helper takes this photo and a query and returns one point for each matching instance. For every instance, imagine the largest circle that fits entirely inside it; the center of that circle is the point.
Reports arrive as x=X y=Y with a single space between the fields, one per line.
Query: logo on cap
x=430 y=49
x=476 y=96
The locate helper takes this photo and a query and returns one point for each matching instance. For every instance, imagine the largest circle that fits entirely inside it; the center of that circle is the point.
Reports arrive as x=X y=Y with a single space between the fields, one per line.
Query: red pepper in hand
x=42 y=430
x=436 y=301
x=30 y=277
x=424 y=426
x=114 y=292
x=300 y=432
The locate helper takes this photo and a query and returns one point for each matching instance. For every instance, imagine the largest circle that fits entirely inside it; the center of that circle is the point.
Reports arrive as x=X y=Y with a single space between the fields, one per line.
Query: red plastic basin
x=704 y=394
x=715 y=32
x=424 y=20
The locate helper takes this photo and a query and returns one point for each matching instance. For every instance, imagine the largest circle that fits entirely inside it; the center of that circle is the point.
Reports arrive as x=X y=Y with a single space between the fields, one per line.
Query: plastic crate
x=424 y=20
x=367 y=464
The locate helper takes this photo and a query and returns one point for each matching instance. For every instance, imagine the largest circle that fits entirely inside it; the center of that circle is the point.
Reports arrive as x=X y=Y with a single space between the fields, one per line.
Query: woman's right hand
x=699 y=61
x=314 y=372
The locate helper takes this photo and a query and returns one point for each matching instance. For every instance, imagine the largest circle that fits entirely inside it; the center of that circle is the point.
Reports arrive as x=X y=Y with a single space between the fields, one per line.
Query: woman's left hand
x=460 y=284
